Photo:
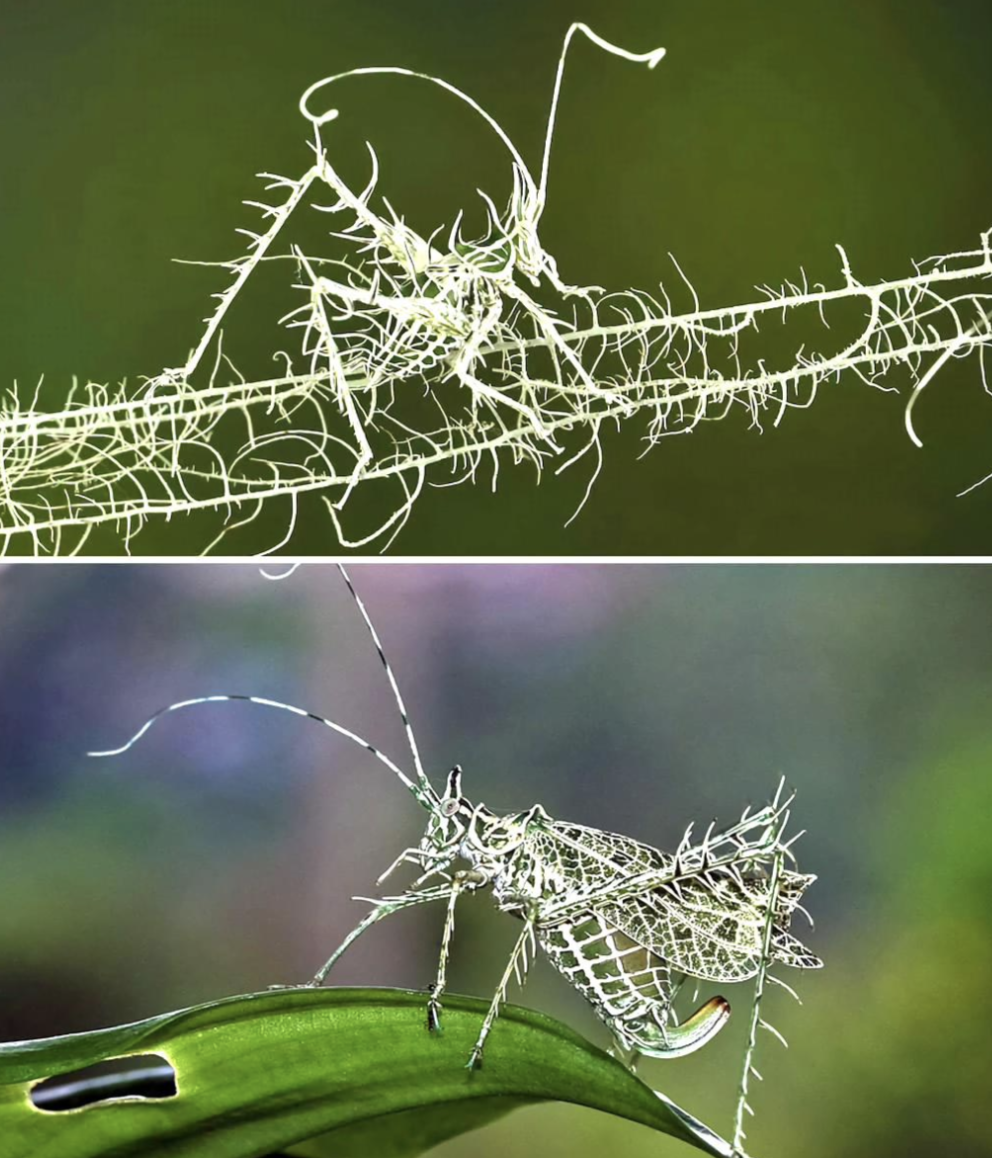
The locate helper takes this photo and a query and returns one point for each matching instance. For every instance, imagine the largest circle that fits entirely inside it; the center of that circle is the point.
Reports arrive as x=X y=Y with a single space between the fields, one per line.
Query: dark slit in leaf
x=146 y=1075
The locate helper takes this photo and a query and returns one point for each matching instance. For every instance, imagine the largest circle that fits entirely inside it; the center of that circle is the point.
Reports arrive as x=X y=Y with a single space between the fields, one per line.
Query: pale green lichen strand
x=515 y=365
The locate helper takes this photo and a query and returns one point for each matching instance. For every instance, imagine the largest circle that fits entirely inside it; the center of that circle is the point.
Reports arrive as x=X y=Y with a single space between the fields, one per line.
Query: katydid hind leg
x=517 y=965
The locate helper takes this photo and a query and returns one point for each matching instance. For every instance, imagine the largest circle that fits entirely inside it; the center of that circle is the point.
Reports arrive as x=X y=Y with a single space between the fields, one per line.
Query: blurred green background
x=219 y=855
x=770 y=131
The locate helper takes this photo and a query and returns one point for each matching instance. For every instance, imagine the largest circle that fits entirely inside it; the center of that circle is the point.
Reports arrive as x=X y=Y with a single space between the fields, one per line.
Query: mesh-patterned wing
x=701 y=911
x=785 y=947
x=615 y=974
x=711 y=926
x=575 y=862
x=580 y=861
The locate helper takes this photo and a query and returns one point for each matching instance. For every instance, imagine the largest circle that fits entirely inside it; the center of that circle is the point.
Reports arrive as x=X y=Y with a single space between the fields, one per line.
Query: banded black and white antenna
x=421 y=787
x=425 y=785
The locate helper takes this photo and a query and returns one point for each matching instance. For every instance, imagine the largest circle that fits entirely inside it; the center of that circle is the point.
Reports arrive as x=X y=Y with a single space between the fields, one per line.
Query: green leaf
x=354 y=1071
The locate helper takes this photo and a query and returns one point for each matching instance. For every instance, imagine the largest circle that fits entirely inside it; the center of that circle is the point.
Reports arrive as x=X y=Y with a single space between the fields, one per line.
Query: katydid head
x=450 y=817
x=512 y=243
x=459 y=829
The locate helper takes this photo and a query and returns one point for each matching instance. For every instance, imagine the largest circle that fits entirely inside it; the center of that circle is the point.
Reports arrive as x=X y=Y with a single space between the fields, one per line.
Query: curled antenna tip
x=914 y=438
x=655 y=57
x=314 y=119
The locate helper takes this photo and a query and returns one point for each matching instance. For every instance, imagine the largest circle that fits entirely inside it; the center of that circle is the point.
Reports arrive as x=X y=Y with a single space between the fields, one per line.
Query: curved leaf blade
x=352 y=1070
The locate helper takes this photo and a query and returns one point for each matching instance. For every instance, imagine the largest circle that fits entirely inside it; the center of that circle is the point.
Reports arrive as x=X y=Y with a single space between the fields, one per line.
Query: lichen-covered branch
x=437 y=359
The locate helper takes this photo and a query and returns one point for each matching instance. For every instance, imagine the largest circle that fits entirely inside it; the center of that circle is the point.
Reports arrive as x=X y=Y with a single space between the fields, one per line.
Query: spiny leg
x=461 y=370
x=469 y=879
x=382 y=909
x=321 y=288
x=743 y=1106
x=434 y=1004
x=518 y=964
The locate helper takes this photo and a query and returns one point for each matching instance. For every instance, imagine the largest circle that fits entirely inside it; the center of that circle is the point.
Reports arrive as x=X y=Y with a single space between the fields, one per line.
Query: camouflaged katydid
x=626 y=924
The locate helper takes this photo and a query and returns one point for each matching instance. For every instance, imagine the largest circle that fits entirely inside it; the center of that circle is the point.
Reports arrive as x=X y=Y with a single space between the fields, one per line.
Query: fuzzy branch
x=436 y=361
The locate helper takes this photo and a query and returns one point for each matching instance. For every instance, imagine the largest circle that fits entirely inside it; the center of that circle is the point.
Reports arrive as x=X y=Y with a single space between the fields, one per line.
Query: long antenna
x=649 y=58
x=340 y=729
x=425 y=785
x=318 y=119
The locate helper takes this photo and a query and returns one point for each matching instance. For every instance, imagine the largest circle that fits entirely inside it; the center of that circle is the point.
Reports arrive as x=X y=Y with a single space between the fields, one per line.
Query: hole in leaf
x=146 y=1075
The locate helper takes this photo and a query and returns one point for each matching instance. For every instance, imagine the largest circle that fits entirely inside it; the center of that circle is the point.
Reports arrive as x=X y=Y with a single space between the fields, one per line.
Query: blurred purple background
x=219 y=854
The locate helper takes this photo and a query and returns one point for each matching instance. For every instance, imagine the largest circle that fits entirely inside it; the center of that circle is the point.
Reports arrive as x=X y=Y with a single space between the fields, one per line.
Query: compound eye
x=636 y=1024
x=450 y=807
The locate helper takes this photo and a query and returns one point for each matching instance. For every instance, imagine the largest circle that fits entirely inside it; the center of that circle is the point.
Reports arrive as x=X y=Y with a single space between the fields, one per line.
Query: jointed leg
x=462 y=881
x=465 y=376
x=382 y=909
x=518 y=965
x=434 y=1005
x=326 y=347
